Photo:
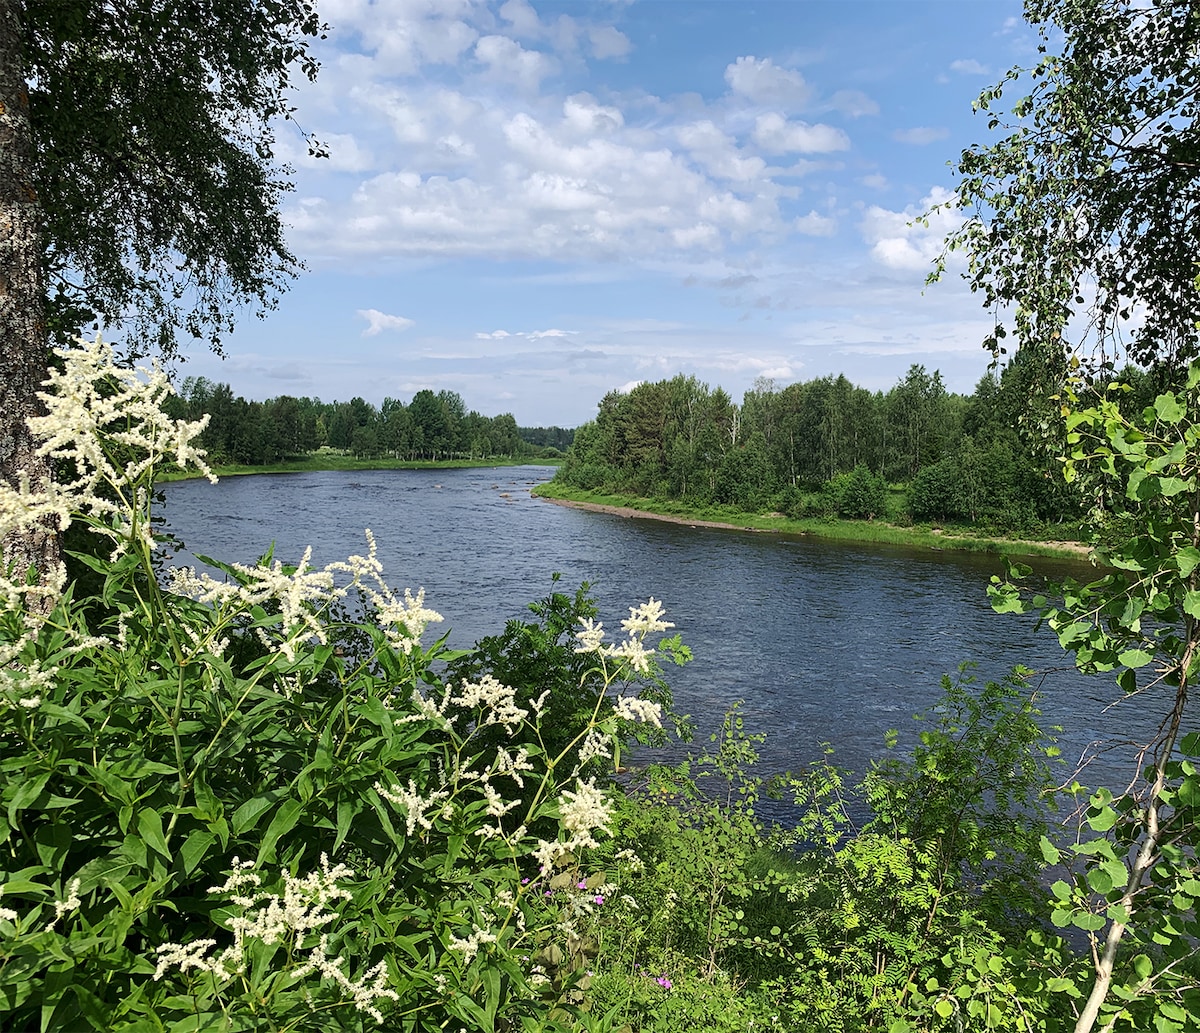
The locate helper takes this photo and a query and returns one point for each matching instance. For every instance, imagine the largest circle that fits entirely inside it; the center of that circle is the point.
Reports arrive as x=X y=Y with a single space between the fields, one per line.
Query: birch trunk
x=23 y=338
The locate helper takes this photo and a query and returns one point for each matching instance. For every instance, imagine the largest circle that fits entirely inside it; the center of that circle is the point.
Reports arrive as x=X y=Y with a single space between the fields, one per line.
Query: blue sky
x=535 y=203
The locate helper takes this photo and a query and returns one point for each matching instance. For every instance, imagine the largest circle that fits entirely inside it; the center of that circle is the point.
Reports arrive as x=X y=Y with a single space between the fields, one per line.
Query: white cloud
x=815 y=225
x=628 y=386
x=584 y=116
x=776 y=135
x=920 y=135
x=876 y=181
x=506 y=60
x=378 y=321
x=899 y=241
x=969 y=66
x=764 y=82
x=608 y=42
x=532 y=335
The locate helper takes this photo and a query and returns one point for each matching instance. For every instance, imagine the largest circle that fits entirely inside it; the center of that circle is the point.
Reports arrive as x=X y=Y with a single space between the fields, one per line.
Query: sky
x=536 y=203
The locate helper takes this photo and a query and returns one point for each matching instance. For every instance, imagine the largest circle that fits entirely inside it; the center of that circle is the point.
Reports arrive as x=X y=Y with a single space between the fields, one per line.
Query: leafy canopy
x=1084 y=217
x=154 y=125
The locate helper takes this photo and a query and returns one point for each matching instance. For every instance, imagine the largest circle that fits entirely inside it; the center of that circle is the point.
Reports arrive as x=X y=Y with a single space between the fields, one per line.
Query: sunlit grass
x=873 y=532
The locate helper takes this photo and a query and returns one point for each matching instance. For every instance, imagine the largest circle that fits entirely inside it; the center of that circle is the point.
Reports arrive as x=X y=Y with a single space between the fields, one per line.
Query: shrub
x=215 y=816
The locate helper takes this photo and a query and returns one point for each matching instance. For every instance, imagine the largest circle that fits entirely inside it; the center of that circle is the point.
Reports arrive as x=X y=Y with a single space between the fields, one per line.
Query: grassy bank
x=875 y=532
x=338 y=461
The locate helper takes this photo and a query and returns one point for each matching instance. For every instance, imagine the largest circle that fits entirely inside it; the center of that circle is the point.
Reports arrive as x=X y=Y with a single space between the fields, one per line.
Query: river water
x=824 y=642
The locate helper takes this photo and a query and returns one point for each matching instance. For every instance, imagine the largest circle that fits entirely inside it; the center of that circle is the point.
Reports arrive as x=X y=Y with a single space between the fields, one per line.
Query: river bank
x=326 y=461
x=866 y=531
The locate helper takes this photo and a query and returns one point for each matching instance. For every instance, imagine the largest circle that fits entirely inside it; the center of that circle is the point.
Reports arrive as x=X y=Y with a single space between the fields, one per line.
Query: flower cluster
x=642 y=621
x=271 y=918
x=106 y=425
x=301 y=594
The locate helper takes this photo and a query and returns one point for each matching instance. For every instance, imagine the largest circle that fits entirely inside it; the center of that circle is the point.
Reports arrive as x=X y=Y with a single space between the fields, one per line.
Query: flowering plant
x=214 y=817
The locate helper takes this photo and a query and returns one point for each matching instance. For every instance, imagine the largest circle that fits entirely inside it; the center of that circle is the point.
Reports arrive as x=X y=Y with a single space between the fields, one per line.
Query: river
x=824 y=641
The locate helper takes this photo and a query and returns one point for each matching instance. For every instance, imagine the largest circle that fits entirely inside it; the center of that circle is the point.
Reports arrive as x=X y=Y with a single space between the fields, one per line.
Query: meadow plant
x=214 y=816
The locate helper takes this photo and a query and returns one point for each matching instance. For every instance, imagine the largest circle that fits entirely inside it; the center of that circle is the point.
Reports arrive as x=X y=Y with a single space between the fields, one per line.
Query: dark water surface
x=825 y=642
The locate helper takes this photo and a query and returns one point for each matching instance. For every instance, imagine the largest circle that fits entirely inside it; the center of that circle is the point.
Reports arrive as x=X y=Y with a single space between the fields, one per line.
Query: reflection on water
x=824 y=642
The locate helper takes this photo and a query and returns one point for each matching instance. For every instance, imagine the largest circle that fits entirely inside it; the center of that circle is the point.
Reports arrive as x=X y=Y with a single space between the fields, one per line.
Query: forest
x=826 y=447
x=434 y=427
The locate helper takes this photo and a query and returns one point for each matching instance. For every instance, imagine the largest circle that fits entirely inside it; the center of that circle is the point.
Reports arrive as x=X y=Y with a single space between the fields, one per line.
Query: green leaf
x=150 y=826
x=246 y=816
x=284 y=821
x=944 y=1008
x=1088 y=921
x=194 y=848
x=1168 y=408
x=1134 y=658
x=1050 y=852
x=1188 y=559
x=1191 y=604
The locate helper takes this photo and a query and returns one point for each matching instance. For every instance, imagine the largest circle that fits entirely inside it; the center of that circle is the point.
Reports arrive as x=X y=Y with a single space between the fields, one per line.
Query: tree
x=137 y=187
x=1084 y=217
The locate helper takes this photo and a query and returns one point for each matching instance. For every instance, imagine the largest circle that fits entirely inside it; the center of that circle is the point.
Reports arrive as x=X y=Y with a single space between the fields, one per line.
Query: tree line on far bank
x=432 y=426
x=825 y=447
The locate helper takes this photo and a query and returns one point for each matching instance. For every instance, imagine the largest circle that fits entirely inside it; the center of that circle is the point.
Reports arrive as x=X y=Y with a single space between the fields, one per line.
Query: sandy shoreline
x=1075 y=548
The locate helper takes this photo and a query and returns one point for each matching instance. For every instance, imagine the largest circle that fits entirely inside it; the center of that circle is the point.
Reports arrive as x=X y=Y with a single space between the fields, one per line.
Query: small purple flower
x=583 y=884
x=664 y=982
x=599 y=898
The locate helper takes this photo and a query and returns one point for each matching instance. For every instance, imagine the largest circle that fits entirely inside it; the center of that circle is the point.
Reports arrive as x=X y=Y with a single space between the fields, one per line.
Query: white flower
x=595 y=745
x=497 y=700
x=583 y=810
x=469 y=947
x=416 y=807
x=65 y=907
x=591 y=636
x=646 y=618
x=631 y=708
x=633 y=651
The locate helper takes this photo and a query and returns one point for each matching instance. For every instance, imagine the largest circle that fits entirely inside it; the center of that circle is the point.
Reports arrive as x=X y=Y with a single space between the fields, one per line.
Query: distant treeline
x=826 y=446
x=434 y=426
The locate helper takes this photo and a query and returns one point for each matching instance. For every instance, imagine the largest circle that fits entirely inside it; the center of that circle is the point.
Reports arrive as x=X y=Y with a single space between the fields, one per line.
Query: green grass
x=337 y=461
x=872 y=532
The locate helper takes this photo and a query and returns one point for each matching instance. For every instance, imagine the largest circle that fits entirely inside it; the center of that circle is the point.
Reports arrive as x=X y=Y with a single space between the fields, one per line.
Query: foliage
x=260 y=433
x=828 y=926
x=859 y=494
x=1141 y=619
x=824 y=447
x=223 y=808
x=540 y=659
x=154 y=125
x=1083 y=215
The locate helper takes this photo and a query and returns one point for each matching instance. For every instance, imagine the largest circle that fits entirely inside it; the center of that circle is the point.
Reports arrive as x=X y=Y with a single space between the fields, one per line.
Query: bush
x=223 y=807
x=858 y=495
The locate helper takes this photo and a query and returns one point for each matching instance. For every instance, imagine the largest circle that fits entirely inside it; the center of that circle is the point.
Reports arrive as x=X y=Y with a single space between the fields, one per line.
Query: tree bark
x=23 y=337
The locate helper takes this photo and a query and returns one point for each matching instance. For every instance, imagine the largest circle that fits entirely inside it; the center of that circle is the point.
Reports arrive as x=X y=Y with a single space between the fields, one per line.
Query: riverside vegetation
x=234 y=805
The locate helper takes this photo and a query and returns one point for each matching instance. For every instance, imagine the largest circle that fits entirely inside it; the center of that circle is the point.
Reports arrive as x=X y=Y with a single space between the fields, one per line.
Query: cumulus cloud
x=378 y=321
x=920 y=135
x=776 y=135
x=608 y=42
x=899 y=241
x=815 y=225
x=764 y=82
x=532 y=335
x=505 y=59
x=628 y=386
x=969 y=66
